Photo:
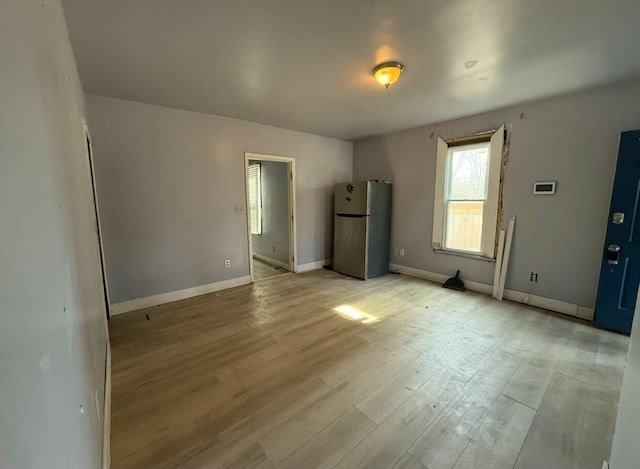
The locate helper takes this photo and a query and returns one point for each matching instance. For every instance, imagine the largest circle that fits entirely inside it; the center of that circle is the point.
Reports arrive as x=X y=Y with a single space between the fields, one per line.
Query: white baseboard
x=558 y=306
x=155 y=300
x=584 y=312
x=440 y=278
x=271 y=261
x=106 y=420
x=313 y=265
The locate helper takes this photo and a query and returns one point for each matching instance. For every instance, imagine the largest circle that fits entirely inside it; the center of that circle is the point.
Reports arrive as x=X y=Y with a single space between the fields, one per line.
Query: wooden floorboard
x=497 y=441
x=573 y=428
x=264 y=270
x=327 y=448
x=319 y=370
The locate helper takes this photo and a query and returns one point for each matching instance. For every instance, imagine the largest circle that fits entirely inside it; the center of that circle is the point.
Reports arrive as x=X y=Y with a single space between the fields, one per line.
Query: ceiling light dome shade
x=387 y=73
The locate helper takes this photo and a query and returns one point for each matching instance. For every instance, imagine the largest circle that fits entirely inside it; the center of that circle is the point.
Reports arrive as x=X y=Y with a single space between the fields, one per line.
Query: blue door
x=620 y=271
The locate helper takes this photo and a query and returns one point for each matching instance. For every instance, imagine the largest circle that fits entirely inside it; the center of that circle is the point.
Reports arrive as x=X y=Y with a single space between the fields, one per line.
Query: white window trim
x=490 y=214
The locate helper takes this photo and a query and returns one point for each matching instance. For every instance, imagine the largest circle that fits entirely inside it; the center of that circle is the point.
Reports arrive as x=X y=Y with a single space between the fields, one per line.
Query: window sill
x=477 y=257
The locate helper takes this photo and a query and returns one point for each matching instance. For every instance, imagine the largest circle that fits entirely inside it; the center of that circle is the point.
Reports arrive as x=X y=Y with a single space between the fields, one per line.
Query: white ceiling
x=306 y=64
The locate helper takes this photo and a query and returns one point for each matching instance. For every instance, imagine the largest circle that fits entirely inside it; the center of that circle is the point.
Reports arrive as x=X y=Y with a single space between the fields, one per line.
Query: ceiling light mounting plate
x=387 y=73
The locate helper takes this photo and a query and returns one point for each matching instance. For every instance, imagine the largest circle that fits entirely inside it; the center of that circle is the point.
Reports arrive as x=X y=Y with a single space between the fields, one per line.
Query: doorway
x=270 y=194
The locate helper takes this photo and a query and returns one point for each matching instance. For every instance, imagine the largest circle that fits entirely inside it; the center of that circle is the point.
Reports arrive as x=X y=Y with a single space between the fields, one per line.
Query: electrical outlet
x=227 y=263
x=402 y=252
x=533 y=277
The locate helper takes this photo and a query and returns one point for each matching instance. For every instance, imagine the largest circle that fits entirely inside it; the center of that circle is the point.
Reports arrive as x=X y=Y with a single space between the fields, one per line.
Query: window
x=255 y=198
x=467 y=195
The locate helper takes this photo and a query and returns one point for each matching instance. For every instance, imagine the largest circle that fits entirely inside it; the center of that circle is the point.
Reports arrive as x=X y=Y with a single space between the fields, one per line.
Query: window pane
x=468 y=173
x=464 y=226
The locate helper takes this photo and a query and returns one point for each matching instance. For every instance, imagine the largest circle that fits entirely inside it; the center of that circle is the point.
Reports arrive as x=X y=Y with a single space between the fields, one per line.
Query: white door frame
x=291 y=165
x=94 y=194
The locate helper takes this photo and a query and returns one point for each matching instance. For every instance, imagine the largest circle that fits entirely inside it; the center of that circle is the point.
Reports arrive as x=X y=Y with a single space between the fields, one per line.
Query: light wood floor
x=263 y=270
x=319 y=370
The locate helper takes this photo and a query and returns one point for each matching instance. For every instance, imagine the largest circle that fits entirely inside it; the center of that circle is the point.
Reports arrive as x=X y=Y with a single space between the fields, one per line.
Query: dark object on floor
x=328 y=266
x=454 y=283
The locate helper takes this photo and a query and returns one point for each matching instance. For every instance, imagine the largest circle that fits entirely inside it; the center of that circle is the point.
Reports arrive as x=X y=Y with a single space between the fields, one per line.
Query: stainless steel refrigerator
x=362 y=220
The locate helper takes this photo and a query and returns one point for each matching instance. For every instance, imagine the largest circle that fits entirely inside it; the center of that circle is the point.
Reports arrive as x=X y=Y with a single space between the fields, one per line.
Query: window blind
x=255 y=199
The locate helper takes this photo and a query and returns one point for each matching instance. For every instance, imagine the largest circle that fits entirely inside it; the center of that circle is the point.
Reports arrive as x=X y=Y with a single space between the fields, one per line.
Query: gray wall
x=53 y=333
x=625 y=451
x=572 y=139
x=274 y=240
x=168 y=183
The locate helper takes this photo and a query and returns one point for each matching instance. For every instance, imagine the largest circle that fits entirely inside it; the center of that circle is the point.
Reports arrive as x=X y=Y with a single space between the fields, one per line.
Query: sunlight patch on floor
x=353 y=314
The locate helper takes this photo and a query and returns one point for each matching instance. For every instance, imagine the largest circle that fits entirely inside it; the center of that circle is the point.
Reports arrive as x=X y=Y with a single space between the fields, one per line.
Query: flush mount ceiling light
x=387 y=73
